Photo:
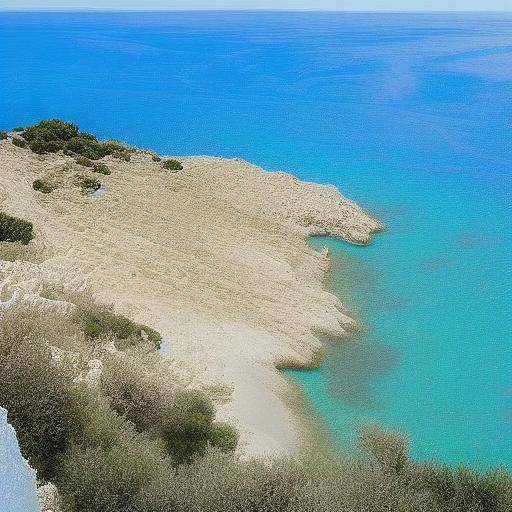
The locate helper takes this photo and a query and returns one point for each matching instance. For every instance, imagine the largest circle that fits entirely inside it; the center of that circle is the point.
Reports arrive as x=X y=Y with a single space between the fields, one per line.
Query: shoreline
x=215 y=257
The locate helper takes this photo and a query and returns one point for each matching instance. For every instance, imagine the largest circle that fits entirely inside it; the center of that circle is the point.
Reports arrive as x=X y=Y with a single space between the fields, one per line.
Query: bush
x=187 y=427
x=101 y=168
x=43 y=186
x=123 y=155
x=37 y=394
x=132 y=392
x=112 y=147
x=51 y=130
x=13 y=229
x=223 y=436
x=99 y=320
x=51 y=136
x=84 y=161
x=86 y=145
x=3 y=135
x=20 y=143
x=389 y=449
x=172 y=165
x=464 y=488
x=88 y=185
x=18 y=129
x=108 y=478
x=156 y=158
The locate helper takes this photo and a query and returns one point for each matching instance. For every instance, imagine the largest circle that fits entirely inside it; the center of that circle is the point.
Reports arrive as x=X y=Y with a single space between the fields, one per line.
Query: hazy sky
x=361 y=5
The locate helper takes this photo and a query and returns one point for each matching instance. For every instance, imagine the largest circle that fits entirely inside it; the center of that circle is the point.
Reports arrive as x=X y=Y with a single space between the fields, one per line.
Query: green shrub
x=3 y=135
x=133 y=392
x=223 y=436
x=51 y=136
x=98 y=320
x=18 y=129
x=172 y=165
x=51 y=130
x=123 y=155
x=37 y=394
x=88 y=185
x=20 y=143
x=101 y=168
x=84 y=161
x=88 y=146
x=44 y=186
x=109 y=478
x=464 y=488
x=111 y=147
x=187 y=427
x=390 y=449
x=156 y=158
x=13 y=229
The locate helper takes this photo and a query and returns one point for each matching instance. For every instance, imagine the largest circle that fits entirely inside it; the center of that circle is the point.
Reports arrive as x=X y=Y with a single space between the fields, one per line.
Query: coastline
x=215 y=257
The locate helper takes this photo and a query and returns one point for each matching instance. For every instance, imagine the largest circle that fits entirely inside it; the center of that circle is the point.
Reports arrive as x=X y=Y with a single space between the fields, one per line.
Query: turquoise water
x=410 y=115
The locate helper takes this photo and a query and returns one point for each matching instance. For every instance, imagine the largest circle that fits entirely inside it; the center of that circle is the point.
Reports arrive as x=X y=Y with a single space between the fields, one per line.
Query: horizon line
x=156 y=9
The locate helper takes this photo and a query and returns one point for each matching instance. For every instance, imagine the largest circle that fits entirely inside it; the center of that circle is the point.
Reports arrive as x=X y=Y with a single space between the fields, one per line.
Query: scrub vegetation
x=88 y=184
x=13 y=229
x=19 y=142
x=172 y=165
x=44 y=186
x=84 y=161
x=101 y=168
x=98 y=320
x=51 y=136
x=132 y=442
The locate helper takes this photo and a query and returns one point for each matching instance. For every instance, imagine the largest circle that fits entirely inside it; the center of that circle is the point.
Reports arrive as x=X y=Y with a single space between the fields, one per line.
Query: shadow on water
x=356 y=281
x=354 y=369
x=352 y=372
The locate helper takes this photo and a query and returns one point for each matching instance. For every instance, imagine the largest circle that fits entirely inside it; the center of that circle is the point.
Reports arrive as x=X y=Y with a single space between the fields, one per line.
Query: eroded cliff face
x=215 y=257
x=18 y=489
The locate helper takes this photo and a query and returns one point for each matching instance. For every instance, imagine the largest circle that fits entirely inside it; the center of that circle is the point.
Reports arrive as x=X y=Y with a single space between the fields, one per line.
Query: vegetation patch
x=123 y=155
x=18 y=129
x=188 y=428
x=51 y=136
x=37 y=395
x=101 y=168
x=19 y=142
x=100 y=320
x=172 y=165
x=156 y=158
x=44 y=186
x=88 y=184
x=130 y=443
x=84 y=161
x=3 y=135
x=13 y=229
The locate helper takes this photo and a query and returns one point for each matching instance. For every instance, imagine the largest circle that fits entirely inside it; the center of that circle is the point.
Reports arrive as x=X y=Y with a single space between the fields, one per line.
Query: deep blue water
x=409 y=114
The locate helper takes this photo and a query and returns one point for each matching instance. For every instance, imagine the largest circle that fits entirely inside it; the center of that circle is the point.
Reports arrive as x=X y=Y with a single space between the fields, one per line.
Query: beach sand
x=215 y=257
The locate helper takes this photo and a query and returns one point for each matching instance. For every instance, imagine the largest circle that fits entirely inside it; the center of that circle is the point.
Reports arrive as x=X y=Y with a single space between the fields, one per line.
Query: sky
x=358 y=5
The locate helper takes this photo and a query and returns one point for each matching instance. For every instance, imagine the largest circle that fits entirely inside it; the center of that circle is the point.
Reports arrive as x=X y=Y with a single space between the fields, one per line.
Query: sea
x=409 y=114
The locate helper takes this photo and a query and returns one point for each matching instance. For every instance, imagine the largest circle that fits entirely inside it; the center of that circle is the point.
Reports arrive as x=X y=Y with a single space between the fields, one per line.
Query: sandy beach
x=215 y=257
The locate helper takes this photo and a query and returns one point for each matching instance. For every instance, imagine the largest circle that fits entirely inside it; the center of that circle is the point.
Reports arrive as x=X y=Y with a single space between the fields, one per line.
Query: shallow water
x=407 y=114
